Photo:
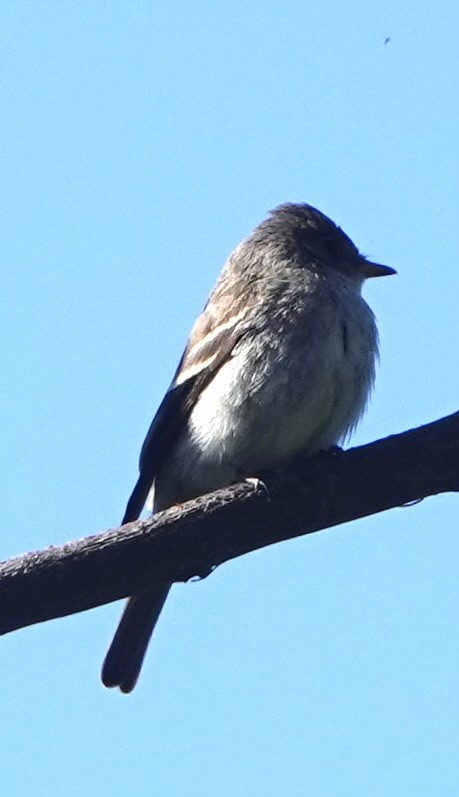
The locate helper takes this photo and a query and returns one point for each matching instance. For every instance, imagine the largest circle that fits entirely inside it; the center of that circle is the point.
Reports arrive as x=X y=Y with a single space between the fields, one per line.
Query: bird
x=280 y=363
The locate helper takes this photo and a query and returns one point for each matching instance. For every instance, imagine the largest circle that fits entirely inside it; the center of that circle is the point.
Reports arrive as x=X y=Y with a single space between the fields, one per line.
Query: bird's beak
x=370 y=269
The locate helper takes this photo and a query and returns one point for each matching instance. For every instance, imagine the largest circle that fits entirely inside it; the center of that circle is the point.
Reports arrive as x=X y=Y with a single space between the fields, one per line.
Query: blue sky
x=139 y=142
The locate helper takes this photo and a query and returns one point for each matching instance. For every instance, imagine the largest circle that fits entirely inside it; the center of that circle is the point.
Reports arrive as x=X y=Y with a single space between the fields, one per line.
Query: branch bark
x=194 y=538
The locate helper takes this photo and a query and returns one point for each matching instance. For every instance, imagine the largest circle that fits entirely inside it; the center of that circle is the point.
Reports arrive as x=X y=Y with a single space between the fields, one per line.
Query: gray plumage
x=280 y=362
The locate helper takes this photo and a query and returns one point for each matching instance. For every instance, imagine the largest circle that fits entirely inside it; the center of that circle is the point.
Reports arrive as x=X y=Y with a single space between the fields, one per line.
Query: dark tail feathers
x=123 y=661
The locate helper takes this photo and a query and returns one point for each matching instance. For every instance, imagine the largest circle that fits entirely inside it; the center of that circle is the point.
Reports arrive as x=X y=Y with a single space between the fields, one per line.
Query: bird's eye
x=333 y=247
x=339 y=247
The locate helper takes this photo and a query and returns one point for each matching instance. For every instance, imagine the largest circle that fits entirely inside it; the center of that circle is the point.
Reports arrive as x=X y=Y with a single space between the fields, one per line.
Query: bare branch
x=195 y=537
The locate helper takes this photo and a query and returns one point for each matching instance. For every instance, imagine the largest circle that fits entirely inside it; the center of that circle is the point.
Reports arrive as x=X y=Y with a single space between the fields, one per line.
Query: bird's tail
x=125 y=655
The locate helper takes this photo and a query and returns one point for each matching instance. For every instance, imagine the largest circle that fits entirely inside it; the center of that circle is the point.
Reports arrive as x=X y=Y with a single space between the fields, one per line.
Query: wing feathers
x=209 y=347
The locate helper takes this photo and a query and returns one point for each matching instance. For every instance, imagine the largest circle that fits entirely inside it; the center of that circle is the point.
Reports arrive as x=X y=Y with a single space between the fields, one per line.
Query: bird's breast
x=299 y=389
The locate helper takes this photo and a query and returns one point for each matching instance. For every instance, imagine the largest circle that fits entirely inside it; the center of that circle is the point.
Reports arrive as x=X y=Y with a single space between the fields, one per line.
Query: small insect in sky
x=387 y=40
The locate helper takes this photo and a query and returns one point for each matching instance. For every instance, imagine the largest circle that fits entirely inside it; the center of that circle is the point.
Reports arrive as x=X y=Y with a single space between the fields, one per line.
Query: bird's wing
x=210 y=345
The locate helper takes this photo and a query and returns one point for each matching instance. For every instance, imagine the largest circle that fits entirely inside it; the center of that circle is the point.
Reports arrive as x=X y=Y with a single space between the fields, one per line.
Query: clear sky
x=139 y=142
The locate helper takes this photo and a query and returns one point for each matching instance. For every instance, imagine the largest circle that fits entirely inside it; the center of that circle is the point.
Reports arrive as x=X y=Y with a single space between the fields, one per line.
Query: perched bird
x=280 y=362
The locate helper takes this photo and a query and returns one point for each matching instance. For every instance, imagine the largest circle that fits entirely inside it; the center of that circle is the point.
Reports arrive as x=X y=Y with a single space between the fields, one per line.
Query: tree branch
x=193 y=538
